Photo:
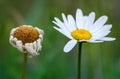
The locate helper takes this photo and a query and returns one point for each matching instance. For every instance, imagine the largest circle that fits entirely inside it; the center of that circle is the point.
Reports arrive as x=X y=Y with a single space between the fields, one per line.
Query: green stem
x=79 y=59
x=24 y=66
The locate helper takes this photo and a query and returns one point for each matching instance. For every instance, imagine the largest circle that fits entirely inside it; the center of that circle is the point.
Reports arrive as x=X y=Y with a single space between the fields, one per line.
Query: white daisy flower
x=83 y=29
x=27 y=39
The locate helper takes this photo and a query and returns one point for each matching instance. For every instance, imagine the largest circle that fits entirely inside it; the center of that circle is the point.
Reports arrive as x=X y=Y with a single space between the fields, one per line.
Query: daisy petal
x=107 y=27
x=19 y=45
x=63 y=32
x=85 y=21
x=61 y=25
x=39 y=46
x=35 y=46
x=71 y=22
x=99 y=23
x=30 y=50
x=79 y=18
x=101 y=35
x=12 y=42
x=90 y=20
x=95 y=41
x=58 y=22
x=108 y=39
x=12 y=31
x=70 y=45
x=64 y=19
x=103 y=29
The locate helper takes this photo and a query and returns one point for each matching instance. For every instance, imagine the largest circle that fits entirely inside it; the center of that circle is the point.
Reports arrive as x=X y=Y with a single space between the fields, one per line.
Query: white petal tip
x=66 y=51
x=79 y=9
x=108 y=39
x=53 y=21
x=69 y=46
x=63 y=14
x=104 y=17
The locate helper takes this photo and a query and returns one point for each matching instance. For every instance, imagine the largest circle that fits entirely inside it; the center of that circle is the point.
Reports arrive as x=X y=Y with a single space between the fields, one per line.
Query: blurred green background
x=99 y=61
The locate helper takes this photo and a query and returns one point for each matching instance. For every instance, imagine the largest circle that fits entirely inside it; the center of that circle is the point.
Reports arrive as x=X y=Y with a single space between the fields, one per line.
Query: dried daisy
x=27 y=39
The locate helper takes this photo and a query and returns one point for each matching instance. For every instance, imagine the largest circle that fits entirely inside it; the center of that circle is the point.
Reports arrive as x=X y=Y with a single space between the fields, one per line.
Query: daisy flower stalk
x=83 y=29
x=26 y=39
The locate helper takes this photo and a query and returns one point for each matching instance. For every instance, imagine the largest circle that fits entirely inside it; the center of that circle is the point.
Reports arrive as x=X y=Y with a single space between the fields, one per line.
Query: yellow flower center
x=81 y=34
x=26 y=34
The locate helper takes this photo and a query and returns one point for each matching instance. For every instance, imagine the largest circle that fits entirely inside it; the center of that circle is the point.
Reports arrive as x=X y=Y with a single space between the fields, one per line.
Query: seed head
x=26 y=34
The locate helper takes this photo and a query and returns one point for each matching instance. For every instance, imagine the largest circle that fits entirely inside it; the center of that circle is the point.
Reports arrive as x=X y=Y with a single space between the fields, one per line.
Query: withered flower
x=27 y=39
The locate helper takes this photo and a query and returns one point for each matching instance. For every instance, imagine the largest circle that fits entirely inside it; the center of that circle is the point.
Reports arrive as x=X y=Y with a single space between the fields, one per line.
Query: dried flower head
x=27 y=39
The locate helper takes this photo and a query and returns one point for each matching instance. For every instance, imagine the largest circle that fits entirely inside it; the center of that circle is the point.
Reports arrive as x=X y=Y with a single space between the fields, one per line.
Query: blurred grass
x=99 y=61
